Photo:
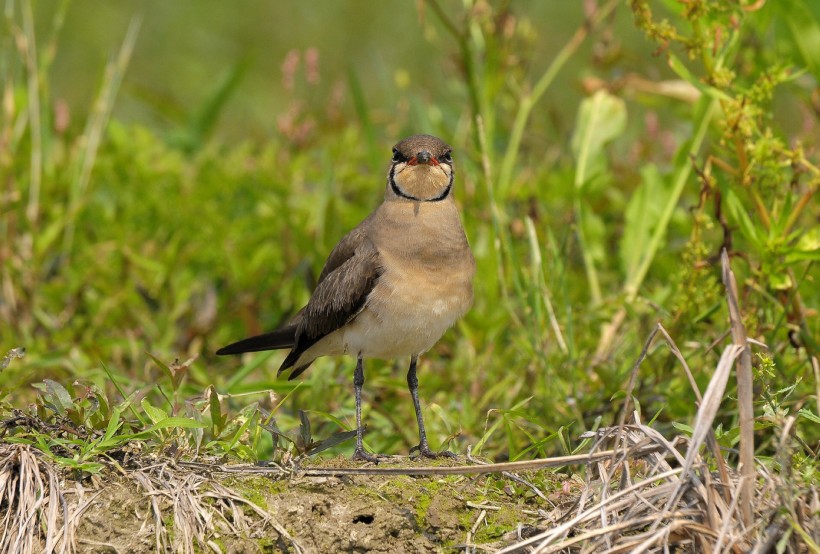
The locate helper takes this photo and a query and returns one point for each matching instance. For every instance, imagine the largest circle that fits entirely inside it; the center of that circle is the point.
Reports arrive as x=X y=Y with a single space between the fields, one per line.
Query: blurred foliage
x=599 y=176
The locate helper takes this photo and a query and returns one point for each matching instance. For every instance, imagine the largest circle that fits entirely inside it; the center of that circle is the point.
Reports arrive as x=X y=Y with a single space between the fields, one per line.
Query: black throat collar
x=399 y=192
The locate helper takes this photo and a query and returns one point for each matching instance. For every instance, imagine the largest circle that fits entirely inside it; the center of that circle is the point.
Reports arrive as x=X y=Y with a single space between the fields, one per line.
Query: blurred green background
x=400 y=55
x=174 y=174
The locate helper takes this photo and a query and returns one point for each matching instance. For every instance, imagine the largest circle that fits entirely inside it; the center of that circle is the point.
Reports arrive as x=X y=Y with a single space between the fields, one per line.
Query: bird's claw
x=359 y=455
x=426 y=452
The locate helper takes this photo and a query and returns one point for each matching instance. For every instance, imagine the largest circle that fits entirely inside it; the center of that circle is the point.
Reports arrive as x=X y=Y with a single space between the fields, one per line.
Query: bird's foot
x=423 y=451
x=359 y=455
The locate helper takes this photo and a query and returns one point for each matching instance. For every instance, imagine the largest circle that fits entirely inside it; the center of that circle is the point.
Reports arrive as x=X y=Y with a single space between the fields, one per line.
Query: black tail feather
x=295 y=354
x=298 y=371
x=275 y=340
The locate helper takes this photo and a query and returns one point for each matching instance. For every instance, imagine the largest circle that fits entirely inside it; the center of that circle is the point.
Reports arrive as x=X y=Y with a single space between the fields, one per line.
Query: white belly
x=393 y=330
x=406 y=314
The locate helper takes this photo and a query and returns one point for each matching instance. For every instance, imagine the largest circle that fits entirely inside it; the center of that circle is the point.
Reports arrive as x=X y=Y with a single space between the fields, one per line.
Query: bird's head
x=421 y=170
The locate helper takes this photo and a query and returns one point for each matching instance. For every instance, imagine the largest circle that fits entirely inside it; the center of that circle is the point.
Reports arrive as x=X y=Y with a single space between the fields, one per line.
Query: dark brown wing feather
x=346 y=248
x=349 y=274
x=339 y=297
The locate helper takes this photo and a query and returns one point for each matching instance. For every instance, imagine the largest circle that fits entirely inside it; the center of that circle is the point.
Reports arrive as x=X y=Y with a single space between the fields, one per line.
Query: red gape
x=415 y=161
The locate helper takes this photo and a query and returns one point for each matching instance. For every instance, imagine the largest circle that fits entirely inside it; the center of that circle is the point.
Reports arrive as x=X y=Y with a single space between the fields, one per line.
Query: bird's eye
x=398 y=157
x=447 y=157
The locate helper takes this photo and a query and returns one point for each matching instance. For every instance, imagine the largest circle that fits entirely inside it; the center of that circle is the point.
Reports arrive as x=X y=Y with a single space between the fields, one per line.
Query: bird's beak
x=423 y=157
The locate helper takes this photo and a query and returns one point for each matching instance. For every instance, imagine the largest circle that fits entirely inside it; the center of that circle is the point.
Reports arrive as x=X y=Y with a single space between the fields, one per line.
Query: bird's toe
x=426 y=452
x=359 y=455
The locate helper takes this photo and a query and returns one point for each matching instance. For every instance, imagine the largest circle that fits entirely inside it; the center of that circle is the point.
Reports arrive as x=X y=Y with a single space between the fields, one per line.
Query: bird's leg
x=358 y=381
x=423 y=447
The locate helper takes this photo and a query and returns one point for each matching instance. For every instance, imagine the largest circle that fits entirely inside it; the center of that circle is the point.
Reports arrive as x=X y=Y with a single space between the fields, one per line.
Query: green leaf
x=780 y=281
x=741 y=217
x=601 y=119
x=488 y=432
x=683 y=72
x=57 y=396
x=167 y=423
x=241 y=430
x=683 y=427
x=217 y=417
x=794 y=257
x=154 y=413
x=809 y=241
x=441 y=414
x=305 y=439
x=594 y=231
x=808 y=414
x=162 y=365
x=643 y=212
x=113 y=424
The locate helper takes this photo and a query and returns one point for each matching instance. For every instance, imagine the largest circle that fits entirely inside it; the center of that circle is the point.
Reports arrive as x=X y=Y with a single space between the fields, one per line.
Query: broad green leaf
x=156 y=414
x=601 y=119
x=643 y=212
x=133 y=397
x=58 y=395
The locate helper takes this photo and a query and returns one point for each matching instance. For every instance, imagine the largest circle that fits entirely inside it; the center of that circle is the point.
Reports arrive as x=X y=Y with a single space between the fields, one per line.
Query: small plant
x=83 y=429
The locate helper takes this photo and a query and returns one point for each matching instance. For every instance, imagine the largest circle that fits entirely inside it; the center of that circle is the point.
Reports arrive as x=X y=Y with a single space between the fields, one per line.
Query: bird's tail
x=281 y=338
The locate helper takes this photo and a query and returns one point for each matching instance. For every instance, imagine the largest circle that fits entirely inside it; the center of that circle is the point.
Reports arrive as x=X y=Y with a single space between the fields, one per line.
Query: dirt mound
x=163 y=507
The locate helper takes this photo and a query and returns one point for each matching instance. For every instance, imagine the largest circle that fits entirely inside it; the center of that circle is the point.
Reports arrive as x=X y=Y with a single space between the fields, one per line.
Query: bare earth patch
x=162 y=507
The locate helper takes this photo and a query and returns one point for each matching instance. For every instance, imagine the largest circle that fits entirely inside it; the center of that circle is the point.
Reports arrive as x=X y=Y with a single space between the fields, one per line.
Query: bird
x=392 y=286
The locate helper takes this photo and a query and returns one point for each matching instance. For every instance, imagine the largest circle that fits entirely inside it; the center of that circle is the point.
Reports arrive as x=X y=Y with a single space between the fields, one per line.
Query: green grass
x=592 y=217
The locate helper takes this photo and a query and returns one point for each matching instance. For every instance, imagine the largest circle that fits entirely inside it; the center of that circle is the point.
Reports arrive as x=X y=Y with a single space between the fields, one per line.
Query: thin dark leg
x=358 y=381
x=423 y=447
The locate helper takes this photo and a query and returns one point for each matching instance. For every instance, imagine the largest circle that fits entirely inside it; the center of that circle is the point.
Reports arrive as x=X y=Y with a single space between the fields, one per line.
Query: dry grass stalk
x=41 y=515
x=628 y=509
x=673 y=500
x=35 y=508
x=201 y=506
x=744 y=391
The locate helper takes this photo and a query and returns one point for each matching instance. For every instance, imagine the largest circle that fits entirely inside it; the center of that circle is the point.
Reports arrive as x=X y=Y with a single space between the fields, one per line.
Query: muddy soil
x=319 y=514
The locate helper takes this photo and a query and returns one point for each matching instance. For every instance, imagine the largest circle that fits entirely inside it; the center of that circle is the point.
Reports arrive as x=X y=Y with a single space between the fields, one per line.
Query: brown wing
x=349 y=275
x=346 y=248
